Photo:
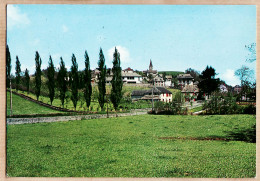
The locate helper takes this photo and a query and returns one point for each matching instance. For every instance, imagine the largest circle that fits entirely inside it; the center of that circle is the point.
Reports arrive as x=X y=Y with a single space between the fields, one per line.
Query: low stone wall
x=67 y=118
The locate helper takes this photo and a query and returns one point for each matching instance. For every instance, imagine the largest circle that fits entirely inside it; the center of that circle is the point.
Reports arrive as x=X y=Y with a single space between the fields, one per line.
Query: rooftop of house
x=184 y=76
x=190 y=89
x=157 y=78
x=237 y=86
x=128 y=69
x=156 y=91
x=168 y=76
x=130 y=74
x=150 y=71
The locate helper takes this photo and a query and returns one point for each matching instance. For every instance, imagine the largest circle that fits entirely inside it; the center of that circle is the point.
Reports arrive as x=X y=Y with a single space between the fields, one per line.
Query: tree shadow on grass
x=247 y=135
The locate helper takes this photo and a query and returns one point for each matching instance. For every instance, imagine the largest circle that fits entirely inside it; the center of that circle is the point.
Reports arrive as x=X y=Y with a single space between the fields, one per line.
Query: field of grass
x=196 y=109
x=137 y=146
x=21 y=106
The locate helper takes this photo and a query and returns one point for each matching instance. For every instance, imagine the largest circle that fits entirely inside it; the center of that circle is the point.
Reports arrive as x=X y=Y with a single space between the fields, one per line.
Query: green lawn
x=21 y=106
x=137 y=146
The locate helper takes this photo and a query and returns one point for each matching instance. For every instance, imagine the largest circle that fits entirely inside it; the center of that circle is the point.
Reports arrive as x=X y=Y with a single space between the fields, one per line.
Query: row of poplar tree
x=62 y=78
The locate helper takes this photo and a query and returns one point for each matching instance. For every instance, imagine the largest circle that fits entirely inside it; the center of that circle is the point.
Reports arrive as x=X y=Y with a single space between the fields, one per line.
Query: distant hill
x=173 y=73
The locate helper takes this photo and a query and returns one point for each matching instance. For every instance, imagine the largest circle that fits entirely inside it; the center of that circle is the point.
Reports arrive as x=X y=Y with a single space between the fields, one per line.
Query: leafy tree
x=194 y=73
x=117 y=83
x=208 y=83
x=164 y=76
x=252 y=55
x=17 y=72
x=27 y=80
x=38 y=73
x=245 y=74
x=101 y=79
x=62 y=81
x=150 y=77
x=8 y=66
x=75 y=80
x=87 y=79
x=51 y=81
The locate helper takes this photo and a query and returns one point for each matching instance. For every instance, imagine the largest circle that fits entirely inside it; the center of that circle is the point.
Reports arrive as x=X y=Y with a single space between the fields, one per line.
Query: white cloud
x=124 y=54
x=35 y=42
x=65 y=28
x=15 y=17
x=230 y=78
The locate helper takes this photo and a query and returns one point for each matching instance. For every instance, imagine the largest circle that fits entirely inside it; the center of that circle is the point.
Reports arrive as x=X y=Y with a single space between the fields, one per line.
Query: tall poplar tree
x=38 y=73
x=8 y=66
x=101 y=79
x=117 y=83
x=62 y=81
x=87 y=79
x=27 y=80
x=74 y=80
x=51 y=81
x=17 y=72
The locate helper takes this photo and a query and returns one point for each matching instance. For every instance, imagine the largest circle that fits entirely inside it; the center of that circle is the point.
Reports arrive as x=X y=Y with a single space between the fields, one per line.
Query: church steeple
x=151 y=65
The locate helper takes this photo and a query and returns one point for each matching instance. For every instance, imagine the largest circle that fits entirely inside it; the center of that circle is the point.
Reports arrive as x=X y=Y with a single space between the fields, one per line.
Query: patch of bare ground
x=192 y=138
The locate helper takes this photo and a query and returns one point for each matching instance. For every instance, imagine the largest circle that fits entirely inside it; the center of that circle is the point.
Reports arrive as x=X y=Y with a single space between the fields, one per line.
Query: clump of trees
x=208 y=83
x=220 y=104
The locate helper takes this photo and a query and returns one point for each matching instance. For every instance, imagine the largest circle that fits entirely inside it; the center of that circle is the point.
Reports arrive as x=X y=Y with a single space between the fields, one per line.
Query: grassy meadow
x=21 y=106
x=136 y=146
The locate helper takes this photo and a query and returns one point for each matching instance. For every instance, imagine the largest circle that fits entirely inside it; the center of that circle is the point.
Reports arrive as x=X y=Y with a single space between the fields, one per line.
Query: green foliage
x=87 y=79
x=74 y=80
x=8 y=66
x=51 y=80
x=219 y=104
x=208 y=83
x=136 y=146
x=62 y=81
x=117 y=83
x=194 y=73
x=101 y=79
x=38 y=73
x=27 y=80
x=17 y=72
x=252 y=55
x=173 y=73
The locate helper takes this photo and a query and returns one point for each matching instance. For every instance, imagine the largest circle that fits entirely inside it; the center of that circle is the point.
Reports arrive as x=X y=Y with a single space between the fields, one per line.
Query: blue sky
x=174 y=37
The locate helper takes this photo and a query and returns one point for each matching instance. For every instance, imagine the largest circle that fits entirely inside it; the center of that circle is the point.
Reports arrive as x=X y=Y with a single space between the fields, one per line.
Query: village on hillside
x=130 y=91
x=160 y=81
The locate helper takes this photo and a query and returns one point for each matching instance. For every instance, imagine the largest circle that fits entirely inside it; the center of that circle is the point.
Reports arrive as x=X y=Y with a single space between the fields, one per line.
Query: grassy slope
x=130 y=147
x=81 y=105
x=22 y=106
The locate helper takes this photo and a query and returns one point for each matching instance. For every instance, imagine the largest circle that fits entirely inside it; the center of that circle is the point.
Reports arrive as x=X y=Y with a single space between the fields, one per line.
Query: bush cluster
x=173 y=108
x=227 y=105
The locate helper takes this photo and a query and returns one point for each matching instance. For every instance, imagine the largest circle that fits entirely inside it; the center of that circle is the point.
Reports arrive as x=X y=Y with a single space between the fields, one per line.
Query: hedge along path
x=69 y=118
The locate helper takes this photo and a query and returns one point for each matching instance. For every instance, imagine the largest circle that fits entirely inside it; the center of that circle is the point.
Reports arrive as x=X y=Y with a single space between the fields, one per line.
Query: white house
x=223 y=88
x=131 y=77
x=184 y=79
